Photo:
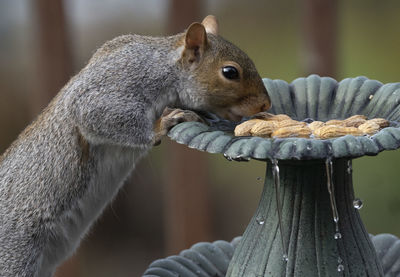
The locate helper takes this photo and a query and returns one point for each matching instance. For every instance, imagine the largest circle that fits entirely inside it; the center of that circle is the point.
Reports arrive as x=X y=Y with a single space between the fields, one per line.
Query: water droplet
x=241 y=158
x=340 y=268
x=349 y=167
x=309 y=147
x=371 y=96
x=285 y=258
x=260 y=221
x=277 y=182
x=331 y=191
x=337 y=235
x=229 y=158
x=358 y=203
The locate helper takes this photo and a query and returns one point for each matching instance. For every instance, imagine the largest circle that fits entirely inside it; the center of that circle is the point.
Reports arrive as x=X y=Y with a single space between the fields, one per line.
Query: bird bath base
x=308 y=227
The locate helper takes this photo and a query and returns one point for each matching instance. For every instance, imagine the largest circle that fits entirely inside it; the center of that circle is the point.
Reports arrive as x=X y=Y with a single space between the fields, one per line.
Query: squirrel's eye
x=230 y=72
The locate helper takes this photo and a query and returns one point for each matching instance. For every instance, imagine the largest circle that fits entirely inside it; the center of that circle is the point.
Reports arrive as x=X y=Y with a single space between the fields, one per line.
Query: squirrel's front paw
x=169 y=119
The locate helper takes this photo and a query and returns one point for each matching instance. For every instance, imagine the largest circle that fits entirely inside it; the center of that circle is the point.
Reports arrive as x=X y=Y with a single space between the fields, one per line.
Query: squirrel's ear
x=210 y=22
x=195 y=41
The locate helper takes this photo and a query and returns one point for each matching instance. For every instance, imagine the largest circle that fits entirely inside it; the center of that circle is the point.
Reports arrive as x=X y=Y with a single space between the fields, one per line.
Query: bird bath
x=307 y=222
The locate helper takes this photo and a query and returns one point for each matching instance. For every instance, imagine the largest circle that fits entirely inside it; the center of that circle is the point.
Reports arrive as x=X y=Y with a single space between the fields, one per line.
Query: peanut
x=290 y=122
x=357 y=116
x=336 y=122
x=369 y=127
x=380 y=121
x=315 y=125
x=244 y=128
x=355 y=121
x=334 y=131
x=263 y=128
x=292 y=131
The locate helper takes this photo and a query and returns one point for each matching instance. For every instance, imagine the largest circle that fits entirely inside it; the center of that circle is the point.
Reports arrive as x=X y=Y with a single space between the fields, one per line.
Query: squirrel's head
x=224 y=79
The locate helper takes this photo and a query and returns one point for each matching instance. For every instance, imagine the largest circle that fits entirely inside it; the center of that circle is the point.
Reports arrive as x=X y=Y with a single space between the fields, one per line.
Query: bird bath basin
x=307 y=222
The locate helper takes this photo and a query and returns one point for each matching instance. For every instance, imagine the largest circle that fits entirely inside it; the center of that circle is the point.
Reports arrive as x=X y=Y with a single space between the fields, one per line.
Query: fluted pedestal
x=308 y=227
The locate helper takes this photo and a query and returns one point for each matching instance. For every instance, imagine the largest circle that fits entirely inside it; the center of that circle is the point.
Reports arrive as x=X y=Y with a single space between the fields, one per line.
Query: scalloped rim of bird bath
x=313 y=167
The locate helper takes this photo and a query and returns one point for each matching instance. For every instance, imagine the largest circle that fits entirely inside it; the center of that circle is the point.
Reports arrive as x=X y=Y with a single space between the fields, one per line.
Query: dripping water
x=337 y=235
x=275 y=175
x=331 y=191
x=241 y=158
x=358 y=203
x=349 y=167
x=229 y=158
x=340 y=266
x=260 y=220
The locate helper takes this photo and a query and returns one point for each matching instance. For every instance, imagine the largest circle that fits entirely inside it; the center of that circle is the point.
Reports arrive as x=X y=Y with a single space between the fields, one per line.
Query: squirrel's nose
x=264 y=107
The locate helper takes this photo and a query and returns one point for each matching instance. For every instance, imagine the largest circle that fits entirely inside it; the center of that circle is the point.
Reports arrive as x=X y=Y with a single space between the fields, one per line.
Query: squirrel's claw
x=170 y=118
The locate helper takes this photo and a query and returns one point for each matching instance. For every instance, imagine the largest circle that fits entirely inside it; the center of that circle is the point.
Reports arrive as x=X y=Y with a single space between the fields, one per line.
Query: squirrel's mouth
x=230 y=114
x=234 y=117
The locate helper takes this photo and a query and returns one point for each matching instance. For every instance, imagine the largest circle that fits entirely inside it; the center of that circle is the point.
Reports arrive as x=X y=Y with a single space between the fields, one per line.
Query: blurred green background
x=132 y=231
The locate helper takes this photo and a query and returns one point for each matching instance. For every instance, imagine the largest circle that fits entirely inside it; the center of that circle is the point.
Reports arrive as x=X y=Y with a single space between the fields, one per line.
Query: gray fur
x=49 y=193
x=61 y=172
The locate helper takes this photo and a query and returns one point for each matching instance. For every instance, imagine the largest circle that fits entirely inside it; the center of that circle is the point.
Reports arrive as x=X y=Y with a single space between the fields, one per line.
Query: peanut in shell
x=264 y=128
x=290 y=122
x=315 y=125
x=334 y=131
x=369 y=127
x=356 y=117
x=355 y=121
x=244 y=128
x=380 y=121
x=301 y=131
x=336 y=122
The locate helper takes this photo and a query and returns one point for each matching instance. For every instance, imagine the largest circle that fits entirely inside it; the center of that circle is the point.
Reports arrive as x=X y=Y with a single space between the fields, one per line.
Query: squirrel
x=65 y=167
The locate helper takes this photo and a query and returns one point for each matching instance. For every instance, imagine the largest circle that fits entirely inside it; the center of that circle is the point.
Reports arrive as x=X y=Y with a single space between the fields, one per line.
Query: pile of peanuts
x=282 y=126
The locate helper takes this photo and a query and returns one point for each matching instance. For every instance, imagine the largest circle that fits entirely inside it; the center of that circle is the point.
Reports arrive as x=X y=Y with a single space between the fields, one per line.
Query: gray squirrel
x=65 y=167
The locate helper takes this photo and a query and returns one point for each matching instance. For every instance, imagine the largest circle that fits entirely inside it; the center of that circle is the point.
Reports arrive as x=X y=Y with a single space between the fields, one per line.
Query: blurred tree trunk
x=54 y=64
x=320 y=32
x=53 y=69
x=187 y=201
